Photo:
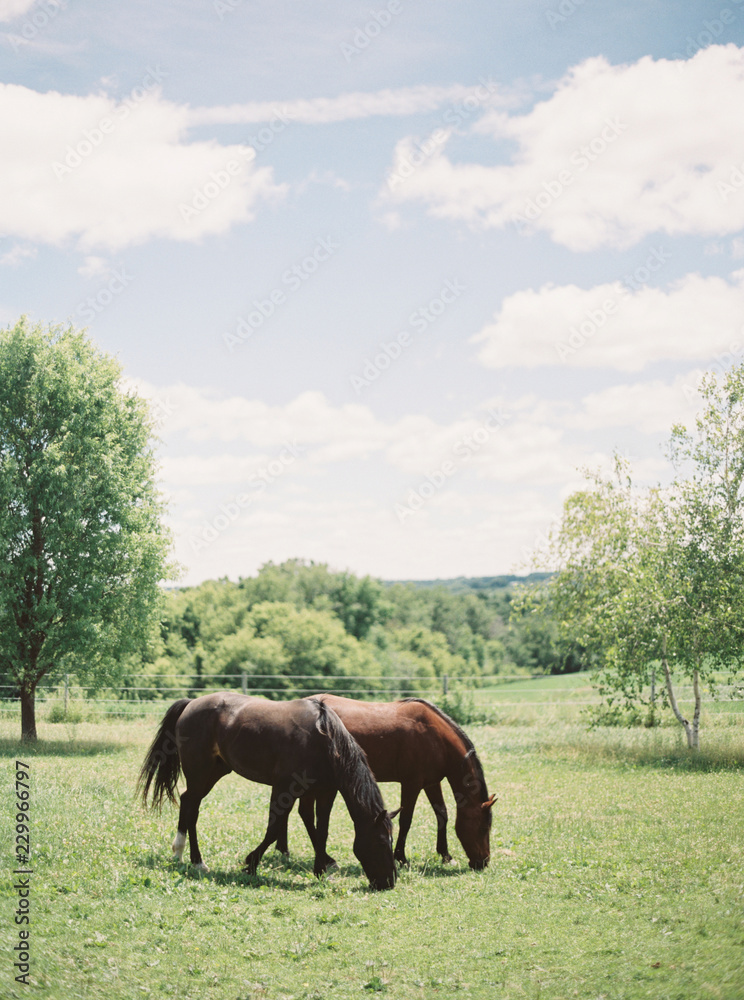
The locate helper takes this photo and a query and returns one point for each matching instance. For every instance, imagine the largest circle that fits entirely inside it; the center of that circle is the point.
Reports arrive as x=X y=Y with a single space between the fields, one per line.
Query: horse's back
x=403 y=740
x=264 y=741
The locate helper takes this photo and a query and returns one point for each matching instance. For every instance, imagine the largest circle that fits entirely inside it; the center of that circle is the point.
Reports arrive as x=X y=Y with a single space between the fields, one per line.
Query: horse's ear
x=489 y=802
x=385 y=815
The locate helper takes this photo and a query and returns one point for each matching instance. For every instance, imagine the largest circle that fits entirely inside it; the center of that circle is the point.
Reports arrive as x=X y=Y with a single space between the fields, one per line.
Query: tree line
x=301 y=624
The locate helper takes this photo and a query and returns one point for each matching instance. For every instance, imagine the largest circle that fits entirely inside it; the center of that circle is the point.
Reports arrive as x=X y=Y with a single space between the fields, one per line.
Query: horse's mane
x=349 y=762
x=470 y=751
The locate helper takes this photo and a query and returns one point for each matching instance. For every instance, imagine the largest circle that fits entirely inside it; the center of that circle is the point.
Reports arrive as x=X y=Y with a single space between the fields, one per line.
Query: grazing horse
x=293 y=746
x=415 y=743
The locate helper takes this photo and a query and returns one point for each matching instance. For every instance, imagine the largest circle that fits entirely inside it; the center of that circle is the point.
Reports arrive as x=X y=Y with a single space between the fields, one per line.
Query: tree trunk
x=692 y=730
x=28 y=714
x=696 y=717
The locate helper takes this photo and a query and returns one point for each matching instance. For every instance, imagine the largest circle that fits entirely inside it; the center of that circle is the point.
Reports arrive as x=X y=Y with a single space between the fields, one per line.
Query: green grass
x=617 y=873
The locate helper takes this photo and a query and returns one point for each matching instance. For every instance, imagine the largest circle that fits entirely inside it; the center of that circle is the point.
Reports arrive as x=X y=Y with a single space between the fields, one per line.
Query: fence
x=499 y=692
x=145 y=699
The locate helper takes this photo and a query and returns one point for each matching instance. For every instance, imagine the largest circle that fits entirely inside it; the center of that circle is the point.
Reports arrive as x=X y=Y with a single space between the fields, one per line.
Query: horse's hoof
x=447 y=859
x=201 y=867
x=329 y=865
x=402 y=861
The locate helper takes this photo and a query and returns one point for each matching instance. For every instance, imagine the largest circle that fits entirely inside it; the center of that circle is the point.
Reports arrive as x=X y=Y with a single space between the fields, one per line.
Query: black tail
x=162 y=764
x=351 y=770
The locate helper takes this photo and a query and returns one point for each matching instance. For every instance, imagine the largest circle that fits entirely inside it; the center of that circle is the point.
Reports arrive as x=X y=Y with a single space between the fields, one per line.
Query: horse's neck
x=359 y=810
x=463 y=774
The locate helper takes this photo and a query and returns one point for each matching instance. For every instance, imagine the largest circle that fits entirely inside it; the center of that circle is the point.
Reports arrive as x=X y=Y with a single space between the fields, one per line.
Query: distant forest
x=302 y=620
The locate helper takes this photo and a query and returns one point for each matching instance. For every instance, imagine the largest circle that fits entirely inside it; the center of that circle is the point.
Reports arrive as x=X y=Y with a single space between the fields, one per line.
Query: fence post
x=444 y=684
x=244 y=682
x=67 y=691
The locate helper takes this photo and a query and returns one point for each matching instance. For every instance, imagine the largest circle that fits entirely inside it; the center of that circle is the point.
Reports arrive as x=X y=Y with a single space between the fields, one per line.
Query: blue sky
x=391 y=274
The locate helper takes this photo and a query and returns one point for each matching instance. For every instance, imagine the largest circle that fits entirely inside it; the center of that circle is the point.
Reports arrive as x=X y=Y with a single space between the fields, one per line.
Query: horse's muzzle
x=379 y=884
x=480 y=864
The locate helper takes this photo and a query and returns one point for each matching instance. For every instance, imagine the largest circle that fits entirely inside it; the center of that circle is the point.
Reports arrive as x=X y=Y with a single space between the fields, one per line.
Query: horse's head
x=473 y=829
x=373 y=847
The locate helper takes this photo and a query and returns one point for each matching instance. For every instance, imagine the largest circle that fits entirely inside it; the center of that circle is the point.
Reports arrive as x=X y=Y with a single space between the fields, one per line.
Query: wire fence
x=69 y=698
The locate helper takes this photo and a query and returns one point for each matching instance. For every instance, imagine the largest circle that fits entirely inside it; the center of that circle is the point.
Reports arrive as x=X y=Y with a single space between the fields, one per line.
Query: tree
x=656 y=576
x=82 y=545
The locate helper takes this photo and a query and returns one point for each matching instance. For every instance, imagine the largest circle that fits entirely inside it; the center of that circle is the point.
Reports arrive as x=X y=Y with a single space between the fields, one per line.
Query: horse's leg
x=197 y=788
x=434 y=795
x=187 y=817
x=282 y=825
x=324 y=804
x=408 y=796
x=306 y=809
x=282 y=801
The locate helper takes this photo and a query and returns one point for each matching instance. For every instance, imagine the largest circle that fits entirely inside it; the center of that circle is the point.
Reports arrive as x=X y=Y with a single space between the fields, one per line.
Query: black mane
x=355 y=779
x=471 y=753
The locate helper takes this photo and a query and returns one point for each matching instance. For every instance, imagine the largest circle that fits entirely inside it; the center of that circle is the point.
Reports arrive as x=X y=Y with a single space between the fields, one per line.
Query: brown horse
x=293 y=746
x=415 y=743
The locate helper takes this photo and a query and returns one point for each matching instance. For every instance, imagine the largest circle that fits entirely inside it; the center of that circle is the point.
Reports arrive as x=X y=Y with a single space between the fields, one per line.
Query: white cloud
x=652 y=406
x=453 y=533
x=11 y=9
x=328 y=433
x=210 y=470
x=616 y=153
x=527 y=448
x=111 y=174
x=346 y=107
x=17 y=254
x=509 y=467
x=612 y=326
x=94 y=267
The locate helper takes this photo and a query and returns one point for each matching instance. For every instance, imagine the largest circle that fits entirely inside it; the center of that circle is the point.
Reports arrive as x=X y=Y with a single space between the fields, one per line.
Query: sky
x=393 y=275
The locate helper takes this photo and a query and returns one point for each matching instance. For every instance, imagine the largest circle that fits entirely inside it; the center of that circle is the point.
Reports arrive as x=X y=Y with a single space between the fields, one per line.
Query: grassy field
x=617 y=873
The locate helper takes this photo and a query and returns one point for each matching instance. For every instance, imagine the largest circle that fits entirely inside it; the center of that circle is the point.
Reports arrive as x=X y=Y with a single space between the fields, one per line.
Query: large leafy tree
x=656 y=576
x=82 y=544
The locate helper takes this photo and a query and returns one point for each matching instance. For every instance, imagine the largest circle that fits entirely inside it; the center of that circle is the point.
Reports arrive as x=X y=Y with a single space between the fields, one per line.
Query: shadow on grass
x=665 y=757
x=60 y=748
x=267 y=875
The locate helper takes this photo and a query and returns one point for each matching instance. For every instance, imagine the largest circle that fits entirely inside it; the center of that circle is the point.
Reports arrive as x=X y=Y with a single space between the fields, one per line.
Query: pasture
x=617 y=872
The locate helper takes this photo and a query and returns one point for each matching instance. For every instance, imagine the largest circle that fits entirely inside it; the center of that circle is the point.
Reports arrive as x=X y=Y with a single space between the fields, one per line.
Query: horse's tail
x=349 y=762
x=162 y=765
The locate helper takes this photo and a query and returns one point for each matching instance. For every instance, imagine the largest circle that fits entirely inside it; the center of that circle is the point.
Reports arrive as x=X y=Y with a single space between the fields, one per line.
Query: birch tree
x=656 y=576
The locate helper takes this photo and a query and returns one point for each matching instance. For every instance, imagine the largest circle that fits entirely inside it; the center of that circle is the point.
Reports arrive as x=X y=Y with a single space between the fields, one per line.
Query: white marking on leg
x=178 y=845
x=201 y=867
